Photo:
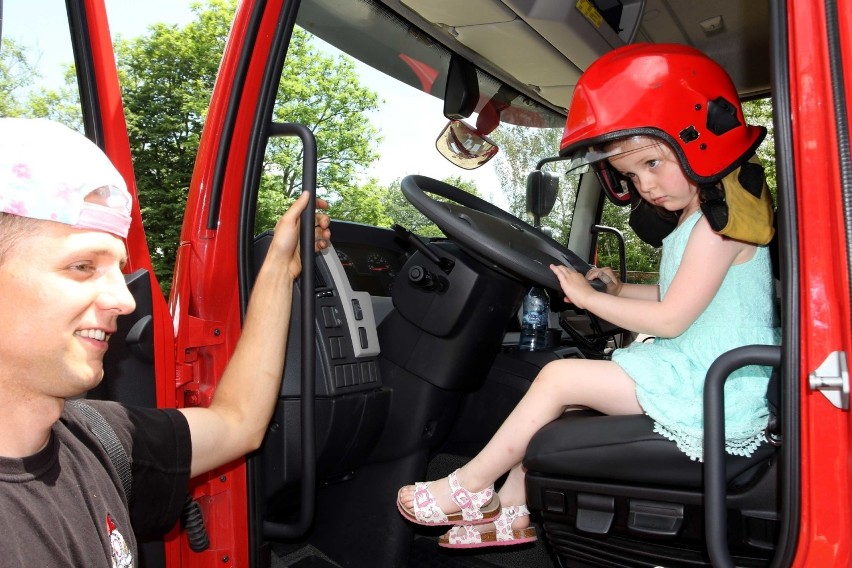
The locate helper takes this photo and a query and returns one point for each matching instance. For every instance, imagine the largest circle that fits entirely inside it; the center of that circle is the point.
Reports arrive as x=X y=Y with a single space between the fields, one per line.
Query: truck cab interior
x=416 y=337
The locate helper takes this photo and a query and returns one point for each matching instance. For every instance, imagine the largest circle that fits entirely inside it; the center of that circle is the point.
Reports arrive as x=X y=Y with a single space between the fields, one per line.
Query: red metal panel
x=206 y=287
x=824 y=289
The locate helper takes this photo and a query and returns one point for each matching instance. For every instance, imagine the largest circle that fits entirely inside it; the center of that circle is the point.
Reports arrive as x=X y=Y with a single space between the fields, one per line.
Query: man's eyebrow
x=122 y=259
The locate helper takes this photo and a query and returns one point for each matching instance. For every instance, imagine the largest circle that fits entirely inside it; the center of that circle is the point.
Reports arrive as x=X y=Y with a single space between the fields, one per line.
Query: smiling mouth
x=96 y=334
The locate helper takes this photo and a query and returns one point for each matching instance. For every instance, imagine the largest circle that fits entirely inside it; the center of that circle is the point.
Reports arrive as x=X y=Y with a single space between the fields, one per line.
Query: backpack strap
x=109 y=440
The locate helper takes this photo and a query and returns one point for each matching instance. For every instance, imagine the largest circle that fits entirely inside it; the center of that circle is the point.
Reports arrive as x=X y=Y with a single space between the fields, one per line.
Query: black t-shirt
x=65 y=505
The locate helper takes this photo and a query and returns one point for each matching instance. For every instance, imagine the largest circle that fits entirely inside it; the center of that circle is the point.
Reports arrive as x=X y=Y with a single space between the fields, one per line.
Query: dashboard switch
x=356 y=310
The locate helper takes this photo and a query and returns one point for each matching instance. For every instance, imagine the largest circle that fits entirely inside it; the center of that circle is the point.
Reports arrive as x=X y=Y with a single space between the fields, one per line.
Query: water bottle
x=535 y=320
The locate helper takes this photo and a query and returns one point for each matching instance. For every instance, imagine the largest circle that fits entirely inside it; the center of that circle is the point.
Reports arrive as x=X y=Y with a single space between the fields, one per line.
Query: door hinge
x=832 y=379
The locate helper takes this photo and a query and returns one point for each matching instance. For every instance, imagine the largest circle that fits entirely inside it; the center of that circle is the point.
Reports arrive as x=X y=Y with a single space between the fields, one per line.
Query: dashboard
x=371 y=257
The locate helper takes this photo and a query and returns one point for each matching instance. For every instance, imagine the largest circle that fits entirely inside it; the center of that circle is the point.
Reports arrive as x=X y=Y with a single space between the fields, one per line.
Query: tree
x=759 y=112
x=404 y=213
x=61 y=104
x=365 y=203
x=325 y=94
x=520 y=151
x=16 y=74
x=167 y=76
x=641 y=257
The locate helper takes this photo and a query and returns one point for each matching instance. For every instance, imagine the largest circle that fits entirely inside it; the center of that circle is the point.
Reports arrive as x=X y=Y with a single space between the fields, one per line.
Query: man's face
x=62 y=292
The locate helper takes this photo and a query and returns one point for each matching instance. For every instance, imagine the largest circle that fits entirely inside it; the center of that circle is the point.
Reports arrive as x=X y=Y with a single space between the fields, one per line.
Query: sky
x=400 y=154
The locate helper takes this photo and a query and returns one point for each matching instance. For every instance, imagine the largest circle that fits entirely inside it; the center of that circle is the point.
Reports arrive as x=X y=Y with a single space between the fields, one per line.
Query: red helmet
x=670 y=91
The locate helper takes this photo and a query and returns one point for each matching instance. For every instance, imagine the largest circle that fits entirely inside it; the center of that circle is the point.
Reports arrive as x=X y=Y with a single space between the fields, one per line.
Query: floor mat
x=304 y=557
x=425 y=553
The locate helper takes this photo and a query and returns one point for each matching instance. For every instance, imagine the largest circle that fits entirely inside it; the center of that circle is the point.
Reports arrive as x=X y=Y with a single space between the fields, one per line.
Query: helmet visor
x=596 y=158
x=582 y=160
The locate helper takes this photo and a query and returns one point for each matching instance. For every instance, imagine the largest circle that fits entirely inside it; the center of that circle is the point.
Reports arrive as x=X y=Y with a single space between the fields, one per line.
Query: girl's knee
x=555 y=371
x=562 y=367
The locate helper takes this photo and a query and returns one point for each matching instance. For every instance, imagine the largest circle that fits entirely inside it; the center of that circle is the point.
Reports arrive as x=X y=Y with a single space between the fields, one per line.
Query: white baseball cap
x=53 y=173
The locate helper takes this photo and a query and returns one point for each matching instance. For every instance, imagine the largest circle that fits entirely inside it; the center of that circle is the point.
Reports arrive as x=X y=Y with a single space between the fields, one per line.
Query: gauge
x=379 y=264
x=345 y=260
x=348 y=265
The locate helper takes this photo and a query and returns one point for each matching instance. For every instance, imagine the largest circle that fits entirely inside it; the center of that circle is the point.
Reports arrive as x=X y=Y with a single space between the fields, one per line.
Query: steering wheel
x=492 y=235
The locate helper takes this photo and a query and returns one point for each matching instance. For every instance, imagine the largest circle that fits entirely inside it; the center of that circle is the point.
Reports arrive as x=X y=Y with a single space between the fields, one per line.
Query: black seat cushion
x=586 y=444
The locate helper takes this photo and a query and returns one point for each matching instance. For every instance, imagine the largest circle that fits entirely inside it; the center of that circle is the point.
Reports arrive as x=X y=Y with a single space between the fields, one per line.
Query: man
x=64 y=211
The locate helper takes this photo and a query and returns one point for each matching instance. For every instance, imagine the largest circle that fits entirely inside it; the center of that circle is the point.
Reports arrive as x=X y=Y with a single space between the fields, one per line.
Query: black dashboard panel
x=371 y=256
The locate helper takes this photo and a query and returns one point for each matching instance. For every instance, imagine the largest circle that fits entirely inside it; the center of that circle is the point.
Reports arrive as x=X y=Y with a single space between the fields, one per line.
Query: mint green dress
x=669 y=373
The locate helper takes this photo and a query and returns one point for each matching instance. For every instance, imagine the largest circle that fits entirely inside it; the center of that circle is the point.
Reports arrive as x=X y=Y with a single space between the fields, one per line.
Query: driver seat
x=612 y=492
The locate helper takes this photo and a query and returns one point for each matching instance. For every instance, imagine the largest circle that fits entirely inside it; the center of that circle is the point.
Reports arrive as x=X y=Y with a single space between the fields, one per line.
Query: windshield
x=382 y=82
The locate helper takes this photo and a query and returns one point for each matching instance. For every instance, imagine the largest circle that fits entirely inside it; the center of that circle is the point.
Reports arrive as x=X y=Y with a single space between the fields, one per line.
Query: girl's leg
x=601 y=385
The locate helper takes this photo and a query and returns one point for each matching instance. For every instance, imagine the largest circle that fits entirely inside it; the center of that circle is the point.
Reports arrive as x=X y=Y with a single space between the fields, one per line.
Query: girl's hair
x=12 y=229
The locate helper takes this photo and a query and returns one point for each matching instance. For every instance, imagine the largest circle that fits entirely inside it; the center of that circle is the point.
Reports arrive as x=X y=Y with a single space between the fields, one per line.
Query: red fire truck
x=402 y=361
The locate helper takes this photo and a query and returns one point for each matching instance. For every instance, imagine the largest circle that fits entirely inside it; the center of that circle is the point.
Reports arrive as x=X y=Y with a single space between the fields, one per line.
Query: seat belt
x=109 y=440
x=191 y=516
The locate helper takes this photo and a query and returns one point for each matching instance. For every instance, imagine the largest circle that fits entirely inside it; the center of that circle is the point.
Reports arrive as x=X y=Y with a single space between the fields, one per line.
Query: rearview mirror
x=542 y=188
x=462 y=91
x=461 y=144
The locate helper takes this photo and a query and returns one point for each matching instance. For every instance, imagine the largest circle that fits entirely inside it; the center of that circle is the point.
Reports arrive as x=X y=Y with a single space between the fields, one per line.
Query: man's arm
x=236 y=420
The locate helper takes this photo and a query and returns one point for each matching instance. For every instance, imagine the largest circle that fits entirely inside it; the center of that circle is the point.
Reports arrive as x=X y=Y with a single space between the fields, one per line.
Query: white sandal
x=476 y=508
x=470 y=536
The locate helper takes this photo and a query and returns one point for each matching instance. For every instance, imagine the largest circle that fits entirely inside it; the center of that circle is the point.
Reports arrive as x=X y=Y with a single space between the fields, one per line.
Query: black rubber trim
x=715 y=479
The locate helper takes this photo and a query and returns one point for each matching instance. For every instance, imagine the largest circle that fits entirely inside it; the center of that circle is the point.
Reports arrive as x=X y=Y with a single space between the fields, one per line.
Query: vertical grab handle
x=308 y=333
x=715 y=480
x=622 y=255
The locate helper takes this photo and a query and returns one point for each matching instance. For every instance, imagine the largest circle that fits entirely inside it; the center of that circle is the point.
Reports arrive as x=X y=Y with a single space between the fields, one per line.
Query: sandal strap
x=426 y=509
x=469 y=503
x=503 y=523
x=464 y=534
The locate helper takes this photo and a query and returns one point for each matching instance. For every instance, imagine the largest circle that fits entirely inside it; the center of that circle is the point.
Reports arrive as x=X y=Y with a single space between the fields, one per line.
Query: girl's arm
x=705 y=262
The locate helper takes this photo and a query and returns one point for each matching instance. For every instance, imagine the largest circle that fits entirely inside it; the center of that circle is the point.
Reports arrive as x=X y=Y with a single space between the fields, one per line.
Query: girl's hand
x=608 y=277
x=574 y=285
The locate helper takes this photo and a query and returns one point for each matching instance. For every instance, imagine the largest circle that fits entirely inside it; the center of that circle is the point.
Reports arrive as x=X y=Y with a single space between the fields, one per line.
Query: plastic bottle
x=536 y=315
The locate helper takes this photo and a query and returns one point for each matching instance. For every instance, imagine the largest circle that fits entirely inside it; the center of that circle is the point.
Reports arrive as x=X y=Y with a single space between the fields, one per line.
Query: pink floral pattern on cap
x=53 y=173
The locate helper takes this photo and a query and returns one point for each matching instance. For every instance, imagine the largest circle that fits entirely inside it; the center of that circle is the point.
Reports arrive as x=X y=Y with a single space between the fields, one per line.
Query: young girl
x=681 y=126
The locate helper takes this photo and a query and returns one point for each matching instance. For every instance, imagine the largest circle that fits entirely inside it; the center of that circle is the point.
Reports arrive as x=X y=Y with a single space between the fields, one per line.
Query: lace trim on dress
x=693 y=447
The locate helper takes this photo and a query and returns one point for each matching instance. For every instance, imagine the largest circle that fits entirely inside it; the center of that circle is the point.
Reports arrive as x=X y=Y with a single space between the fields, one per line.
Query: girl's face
x=656 y=173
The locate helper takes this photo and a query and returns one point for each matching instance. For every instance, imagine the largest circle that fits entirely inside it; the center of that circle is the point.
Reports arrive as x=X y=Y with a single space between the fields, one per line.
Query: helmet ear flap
x=616 y=187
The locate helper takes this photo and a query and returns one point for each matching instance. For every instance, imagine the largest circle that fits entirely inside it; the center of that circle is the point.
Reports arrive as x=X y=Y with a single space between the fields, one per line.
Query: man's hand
x=285 y=242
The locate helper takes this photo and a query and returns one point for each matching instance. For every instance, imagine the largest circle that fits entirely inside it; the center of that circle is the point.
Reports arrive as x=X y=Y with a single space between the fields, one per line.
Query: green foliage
x=61 y=104
x=401 y=212
x=18 y=97
x=641 y=256
x=16 y=74
x=363 y=204
x=759 y=112
x=166 y=77
x=324 y=93
x=520 y=151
